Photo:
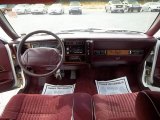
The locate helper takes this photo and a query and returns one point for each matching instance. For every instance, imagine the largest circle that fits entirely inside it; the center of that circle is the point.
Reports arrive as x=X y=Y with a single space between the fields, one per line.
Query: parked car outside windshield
x=56 y=9
x=38 y=9
x=75 y=7
x=132 y=5
x=22 y=9
x=114 y=6
x=151 y=7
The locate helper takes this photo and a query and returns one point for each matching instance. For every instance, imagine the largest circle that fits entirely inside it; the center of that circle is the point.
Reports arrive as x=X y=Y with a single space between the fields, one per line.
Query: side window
x=152 y=67
x=152 y=75
x=157 y=35
x=4 y=36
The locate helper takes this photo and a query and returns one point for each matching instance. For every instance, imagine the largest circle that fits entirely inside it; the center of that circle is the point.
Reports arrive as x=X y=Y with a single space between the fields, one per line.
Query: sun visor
x=26 y=1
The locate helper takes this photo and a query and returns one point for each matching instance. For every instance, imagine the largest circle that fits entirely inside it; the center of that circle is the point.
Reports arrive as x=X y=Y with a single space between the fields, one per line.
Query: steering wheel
x=57 y=56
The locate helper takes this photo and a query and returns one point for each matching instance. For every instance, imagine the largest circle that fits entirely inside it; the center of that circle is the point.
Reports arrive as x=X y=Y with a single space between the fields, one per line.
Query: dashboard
x=101 y=51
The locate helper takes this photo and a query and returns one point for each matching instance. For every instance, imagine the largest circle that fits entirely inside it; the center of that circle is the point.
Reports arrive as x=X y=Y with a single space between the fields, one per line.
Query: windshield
x=91 y=14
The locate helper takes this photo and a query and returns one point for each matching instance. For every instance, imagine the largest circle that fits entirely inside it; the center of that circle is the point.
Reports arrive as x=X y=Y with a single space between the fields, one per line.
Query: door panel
x=6 y=74
x=156 y=74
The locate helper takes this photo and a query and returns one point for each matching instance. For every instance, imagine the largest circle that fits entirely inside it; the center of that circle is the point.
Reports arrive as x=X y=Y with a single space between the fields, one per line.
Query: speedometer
x=44 y=44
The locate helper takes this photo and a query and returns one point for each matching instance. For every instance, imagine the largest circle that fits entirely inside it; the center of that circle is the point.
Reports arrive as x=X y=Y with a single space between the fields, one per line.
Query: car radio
x=75 y=51
x=75 y=47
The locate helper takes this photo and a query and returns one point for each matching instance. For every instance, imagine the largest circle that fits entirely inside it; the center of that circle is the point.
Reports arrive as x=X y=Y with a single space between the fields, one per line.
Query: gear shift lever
x=58 y=74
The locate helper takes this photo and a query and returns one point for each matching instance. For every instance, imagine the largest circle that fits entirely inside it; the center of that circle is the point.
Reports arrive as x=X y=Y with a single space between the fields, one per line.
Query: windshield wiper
x=89 y=30
x=97 y=30
x=121 y=31
x=63 y=33
x=82 y=30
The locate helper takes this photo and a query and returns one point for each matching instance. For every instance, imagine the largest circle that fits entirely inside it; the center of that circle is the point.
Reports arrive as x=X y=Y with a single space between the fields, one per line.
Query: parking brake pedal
x=73 y=75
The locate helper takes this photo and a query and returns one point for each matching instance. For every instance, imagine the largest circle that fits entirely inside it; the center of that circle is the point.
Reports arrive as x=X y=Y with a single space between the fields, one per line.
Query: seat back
x=82 y=109
x=147 y=106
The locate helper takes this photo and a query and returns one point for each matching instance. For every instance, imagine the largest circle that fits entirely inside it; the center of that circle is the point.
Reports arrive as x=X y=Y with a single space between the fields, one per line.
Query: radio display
x=117 y=52
x=77 y=49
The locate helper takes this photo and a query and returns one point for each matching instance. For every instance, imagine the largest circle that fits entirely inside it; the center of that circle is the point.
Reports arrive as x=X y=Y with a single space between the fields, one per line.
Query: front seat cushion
x=46 y=107
x=115 y=107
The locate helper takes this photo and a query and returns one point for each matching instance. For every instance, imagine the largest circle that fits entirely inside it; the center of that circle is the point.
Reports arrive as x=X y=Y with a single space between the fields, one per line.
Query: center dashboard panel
x=101 y=52
x=75 y=51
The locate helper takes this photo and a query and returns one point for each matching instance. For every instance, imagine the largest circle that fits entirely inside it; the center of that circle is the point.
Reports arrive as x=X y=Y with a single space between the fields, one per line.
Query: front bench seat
x=115 y=107
x=76 y=106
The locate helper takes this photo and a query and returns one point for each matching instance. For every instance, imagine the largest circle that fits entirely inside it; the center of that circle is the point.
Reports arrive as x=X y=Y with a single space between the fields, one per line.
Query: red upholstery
x=148 y=105
x=115 y=107
x=45 y=107
x=6 y=75
x=79 y=106
x=83 y=109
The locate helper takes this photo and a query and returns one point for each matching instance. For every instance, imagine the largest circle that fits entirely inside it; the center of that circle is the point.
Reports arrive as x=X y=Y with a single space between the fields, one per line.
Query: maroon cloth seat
x=147 y=105
x=115 y=107
x=45 y=107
